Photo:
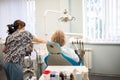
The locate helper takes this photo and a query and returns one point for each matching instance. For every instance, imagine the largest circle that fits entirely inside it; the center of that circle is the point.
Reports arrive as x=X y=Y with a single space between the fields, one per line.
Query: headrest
x=53 y=47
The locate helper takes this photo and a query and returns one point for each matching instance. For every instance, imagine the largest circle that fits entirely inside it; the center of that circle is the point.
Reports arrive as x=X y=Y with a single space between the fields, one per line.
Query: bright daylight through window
x=17 y=9
x=102 y=20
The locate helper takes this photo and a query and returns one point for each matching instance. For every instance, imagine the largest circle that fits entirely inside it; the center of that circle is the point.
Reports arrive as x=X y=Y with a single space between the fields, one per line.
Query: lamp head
x=66 y=17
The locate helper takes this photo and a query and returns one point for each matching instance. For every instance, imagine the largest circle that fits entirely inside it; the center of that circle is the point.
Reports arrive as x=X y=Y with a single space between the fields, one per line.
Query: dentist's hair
x=13 y=27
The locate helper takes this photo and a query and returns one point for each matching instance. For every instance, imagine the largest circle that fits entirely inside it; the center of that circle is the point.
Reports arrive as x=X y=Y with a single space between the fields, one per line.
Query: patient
x=59 y=37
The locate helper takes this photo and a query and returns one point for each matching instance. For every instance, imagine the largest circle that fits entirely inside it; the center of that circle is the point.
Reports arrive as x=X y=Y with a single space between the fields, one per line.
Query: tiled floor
x=101 y=77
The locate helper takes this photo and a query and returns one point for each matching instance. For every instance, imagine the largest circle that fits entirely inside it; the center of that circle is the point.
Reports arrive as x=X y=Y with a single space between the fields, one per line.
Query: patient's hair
x=59 y=37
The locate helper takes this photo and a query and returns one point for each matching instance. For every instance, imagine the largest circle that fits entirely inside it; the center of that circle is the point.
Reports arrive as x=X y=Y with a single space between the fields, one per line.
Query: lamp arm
x=45 y=14
x=53 y=11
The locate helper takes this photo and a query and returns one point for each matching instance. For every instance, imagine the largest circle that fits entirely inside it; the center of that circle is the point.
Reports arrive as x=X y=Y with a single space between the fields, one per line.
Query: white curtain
x=11 y=10
x=31 y=16
x=102 y=20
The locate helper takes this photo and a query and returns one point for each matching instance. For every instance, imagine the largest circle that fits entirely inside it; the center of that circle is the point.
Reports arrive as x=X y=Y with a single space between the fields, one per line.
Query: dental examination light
x=64 y=18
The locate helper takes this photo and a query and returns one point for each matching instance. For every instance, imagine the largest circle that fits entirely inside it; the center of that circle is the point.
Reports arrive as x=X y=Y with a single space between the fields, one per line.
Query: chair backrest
x=57 y=57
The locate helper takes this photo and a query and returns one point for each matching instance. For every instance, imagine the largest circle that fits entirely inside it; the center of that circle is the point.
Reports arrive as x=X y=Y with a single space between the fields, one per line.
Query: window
x=31 y=16
x=16 y=9
x=102 y=20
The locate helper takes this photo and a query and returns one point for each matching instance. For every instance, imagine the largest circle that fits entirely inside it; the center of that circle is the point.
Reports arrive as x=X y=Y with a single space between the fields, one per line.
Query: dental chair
x=57 y=57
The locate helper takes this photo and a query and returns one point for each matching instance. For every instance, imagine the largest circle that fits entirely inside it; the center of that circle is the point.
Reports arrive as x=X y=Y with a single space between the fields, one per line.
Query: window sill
x=102 y=42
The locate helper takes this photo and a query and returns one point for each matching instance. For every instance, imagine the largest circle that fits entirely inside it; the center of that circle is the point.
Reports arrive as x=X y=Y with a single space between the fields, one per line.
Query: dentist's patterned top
x=16 y=45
